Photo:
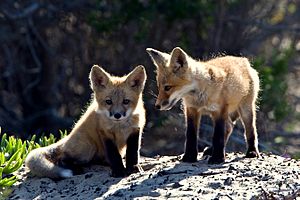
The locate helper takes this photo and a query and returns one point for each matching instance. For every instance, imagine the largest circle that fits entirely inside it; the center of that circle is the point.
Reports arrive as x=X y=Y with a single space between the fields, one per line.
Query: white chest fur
x=200 y=100
x=213 y=107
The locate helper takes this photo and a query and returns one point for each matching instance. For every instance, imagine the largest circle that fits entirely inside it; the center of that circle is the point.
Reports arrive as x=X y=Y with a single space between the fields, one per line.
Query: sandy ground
x=167 y=178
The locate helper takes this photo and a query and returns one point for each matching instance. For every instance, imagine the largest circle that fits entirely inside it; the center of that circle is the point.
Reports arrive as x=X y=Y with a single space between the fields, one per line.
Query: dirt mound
x=164 y=177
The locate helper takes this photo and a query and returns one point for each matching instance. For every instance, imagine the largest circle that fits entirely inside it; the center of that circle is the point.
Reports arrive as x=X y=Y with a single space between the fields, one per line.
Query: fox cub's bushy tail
x=39 y=162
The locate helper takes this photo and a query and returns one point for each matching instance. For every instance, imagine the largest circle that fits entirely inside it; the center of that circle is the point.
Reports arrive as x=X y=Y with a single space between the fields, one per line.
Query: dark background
x=47 y=49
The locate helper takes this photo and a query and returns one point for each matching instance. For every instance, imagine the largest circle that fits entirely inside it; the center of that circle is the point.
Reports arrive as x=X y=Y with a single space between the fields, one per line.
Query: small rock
x=215 y=185
x=118 y=194
x=188 y=189
x=265 y=177
x=176 y=185
x=88 y=176
x=231 y=168
x=247 y=174
x=228 y=181
x=205 y=192
x=43 y=182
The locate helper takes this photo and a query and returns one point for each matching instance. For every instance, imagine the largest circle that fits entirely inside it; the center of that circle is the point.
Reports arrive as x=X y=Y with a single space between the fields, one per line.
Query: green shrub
x=13 y=152
x=274 y=86
x=46 y=141
x=12 y=155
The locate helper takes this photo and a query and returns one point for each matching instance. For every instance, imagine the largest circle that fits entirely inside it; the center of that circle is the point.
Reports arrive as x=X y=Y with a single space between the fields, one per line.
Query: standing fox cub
x=226 y=88
x=112 y=124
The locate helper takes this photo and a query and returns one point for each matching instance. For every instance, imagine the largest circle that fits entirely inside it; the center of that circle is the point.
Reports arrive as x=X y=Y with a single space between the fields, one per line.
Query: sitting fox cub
x=226 y=88
x=114 y=121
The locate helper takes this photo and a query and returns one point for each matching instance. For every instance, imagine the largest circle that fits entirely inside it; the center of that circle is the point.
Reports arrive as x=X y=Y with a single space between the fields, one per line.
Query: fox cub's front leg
x=132 y=152
x=114 y=158
x=218 y=144
x=191 y=145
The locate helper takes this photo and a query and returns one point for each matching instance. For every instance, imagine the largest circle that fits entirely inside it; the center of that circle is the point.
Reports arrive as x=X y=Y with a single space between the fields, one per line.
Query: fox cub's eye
x=126 y=101
x=167 y=88
x=108 y=101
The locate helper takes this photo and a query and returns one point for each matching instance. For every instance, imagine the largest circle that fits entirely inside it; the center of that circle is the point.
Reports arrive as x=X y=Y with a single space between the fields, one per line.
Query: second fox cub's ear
x=178 y=59
x=160 y=59
x=98 y=77
x=137 y=78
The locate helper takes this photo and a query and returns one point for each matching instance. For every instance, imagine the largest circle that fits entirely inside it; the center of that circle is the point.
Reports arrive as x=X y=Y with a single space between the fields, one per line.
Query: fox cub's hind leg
x=229 y=124
x=132 y=152
x=222 y=131
x=248 y=116
x=218 y=143
x=191 y=146
x=114 y=158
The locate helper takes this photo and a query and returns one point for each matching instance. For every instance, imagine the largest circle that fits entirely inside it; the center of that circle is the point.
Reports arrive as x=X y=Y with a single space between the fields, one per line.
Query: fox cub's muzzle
x=162 y=105
x=118 y=115
x=165 y=104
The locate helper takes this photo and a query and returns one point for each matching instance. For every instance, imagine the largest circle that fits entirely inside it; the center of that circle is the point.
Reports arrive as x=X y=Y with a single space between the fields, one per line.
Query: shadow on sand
x=94 y=182
x=165 y=178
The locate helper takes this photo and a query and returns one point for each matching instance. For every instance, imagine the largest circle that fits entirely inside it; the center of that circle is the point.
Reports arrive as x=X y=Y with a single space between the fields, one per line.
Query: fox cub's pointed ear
x=160 y=59
x=137 y=78
x=98 y=77
x=178 y=59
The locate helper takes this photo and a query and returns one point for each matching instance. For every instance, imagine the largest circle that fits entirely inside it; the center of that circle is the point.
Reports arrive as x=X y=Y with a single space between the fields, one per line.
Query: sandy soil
x=165 y=177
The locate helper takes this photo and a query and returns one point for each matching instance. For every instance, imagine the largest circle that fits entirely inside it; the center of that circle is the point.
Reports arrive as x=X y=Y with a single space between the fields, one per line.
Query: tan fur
x=224 y=87
x=85 y=142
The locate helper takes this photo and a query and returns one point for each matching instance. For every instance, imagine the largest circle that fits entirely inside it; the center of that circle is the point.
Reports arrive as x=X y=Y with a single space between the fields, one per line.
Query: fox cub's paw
x=216 y=160
x=133 y=169
x=207 y=151
x=252 y=154
x=189 y=158
x=118 y=173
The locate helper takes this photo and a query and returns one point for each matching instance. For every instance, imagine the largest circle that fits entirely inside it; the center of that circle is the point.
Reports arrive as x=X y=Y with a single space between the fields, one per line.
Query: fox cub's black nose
x=117 y=115
x=164 y=103
x=157 y=107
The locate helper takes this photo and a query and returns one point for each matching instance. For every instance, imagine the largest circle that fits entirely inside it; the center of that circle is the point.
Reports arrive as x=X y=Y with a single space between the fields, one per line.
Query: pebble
x=231 y=168
x=228 y=181
x=176 y=185
x=215 y=185
x=89 y=175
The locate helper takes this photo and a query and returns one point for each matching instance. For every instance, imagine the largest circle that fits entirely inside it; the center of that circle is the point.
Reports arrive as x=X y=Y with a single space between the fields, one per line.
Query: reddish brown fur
x=224 y=87
x=86 y=141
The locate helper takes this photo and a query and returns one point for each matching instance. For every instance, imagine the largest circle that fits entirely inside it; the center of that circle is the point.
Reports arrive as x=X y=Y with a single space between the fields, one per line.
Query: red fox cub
x=112 y=124
x=226 y=88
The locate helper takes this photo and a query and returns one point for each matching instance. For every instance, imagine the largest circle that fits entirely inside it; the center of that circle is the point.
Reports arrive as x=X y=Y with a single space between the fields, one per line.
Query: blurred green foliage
x=274 y=83
x=112 y=15
x=297 y=156
x=46 y=141
x=13 y=152
x=12 y=156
